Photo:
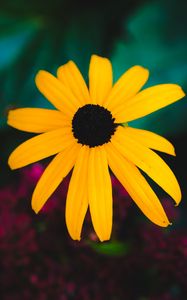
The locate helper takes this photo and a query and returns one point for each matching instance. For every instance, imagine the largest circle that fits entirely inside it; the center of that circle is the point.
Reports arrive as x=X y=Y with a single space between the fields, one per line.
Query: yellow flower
x=86 y=134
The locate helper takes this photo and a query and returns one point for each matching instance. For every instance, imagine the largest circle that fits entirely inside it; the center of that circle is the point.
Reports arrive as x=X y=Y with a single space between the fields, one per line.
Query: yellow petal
x=128 y=85
x=41 y=146
x=148 y=101
x=53 y=176
x=148 y=161
x=100 y=193
x=77 y=198
x=150 y=140
x=36 y=120
x=100 y=79
x=70 y=76
x=137 y=187
x=56 y=92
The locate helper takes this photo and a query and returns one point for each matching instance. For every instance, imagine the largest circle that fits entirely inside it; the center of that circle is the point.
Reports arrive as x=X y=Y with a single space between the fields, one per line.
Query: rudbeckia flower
x=86 y=133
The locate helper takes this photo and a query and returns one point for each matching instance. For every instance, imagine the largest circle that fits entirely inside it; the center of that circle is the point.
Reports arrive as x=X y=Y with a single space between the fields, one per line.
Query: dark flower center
x=93 y=125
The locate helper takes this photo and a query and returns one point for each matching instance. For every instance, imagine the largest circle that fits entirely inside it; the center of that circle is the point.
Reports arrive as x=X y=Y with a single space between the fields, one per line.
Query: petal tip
x=171 y=150
x=39 y=77
x=98 y=57
x=59 y=70
x=178 y=197
x=179 y=91
x=70 y=63
x=182 y=91
x=164 y=222
x=177 y=203
x=36 y=211
x=35 y=207
x=104 y=239
x=10 y=117
x=11 y=163
x=75 y=237
x=143 y=69
x=93 y=56
x=39 y=73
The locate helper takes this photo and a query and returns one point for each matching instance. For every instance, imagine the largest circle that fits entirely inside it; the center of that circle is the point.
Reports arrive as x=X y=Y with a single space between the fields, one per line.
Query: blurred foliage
x=157 y=40
x=112 y=248
x=40 y=261
x=44 y=34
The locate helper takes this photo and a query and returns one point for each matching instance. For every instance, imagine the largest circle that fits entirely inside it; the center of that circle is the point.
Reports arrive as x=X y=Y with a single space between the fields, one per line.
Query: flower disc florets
x=93 y=125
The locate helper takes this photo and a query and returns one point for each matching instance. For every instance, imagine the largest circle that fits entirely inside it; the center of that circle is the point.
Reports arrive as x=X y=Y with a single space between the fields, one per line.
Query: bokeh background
x=38 y=260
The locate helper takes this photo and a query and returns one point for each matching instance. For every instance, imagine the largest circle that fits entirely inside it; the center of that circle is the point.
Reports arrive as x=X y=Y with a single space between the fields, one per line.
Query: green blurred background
x=40 y=34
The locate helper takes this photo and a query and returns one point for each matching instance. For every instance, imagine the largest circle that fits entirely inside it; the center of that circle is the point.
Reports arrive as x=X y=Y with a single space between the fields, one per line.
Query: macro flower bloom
x=86 y=133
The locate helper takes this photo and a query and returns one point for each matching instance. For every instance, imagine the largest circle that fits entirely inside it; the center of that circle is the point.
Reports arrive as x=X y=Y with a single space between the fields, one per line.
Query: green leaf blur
x=155 y=37
x=113 y=248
